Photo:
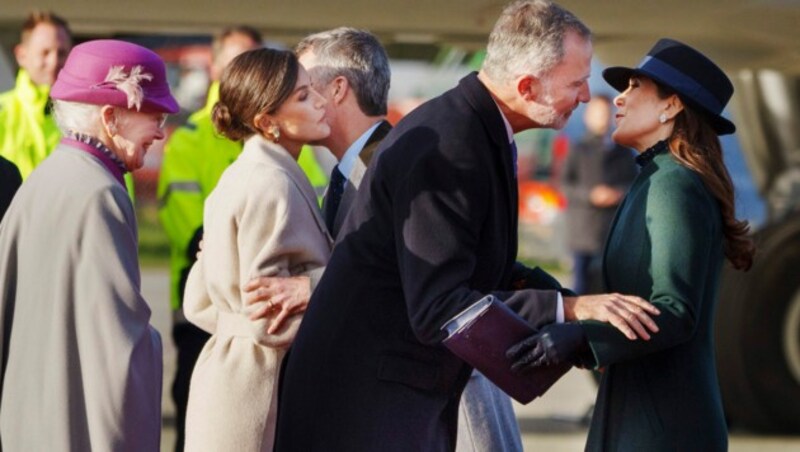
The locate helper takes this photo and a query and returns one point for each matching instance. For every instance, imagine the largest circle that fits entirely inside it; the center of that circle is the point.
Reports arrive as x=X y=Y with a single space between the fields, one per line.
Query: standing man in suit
x=433 y=230
x=350 y=68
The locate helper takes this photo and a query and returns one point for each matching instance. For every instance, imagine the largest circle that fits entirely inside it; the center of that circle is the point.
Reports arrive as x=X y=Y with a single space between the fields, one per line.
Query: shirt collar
x=509 y=130
x=349 y=159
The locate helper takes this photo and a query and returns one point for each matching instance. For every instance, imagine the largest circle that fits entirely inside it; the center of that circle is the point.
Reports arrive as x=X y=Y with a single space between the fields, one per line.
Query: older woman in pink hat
x=81 y=366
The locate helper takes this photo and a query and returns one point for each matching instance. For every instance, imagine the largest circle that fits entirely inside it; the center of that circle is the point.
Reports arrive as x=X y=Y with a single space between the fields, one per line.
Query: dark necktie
x=335 y=191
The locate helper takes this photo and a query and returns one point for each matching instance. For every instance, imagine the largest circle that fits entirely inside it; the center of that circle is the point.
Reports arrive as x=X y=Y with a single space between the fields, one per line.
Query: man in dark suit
x=432 y=230
x=10 y=180
x=349 y=67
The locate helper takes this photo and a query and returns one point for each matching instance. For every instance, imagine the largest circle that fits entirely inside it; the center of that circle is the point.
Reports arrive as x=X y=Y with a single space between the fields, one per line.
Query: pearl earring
x=274 y=132
x=662 y=118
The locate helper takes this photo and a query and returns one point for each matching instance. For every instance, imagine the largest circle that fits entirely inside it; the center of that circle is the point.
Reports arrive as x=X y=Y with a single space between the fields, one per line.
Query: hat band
x=681 y=83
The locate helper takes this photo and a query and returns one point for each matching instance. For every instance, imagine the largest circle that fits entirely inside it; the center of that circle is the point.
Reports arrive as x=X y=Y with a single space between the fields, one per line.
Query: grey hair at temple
x=356 y=55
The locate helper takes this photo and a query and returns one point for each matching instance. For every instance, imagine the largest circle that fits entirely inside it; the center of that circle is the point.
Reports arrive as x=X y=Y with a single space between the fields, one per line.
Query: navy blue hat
x=697 y=80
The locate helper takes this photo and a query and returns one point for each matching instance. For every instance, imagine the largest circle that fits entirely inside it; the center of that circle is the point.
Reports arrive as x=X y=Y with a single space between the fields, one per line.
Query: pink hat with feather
x=118 y=73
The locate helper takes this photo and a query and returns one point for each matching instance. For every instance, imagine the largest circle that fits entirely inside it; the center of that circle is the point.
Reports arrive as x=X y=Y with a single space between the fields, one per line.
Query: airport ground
x=554 y=423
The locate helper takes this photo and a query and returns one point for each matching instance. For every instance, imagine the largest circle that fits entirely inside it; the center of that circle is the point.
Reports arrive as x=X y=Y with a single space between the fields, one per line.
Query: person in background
x=667 y=244
x=262 y=219
x=596 y=175
x=10 y=180
x=194 y=158
x=81 y=366
x=432 y=230
x=28 y=132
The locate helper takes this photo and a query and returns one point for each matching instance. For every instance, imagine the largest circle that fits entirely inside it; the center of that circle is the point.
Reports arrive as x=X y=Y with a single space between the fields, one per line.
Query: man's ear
x=20 y=53
x=340 y=89
x=529 y=87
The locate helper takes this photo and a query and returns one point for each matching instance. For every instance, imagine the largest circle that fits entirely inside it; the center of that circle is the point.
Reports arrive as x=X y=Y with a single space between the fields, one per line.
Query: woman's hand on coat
x=284 y=295
x=628 y=313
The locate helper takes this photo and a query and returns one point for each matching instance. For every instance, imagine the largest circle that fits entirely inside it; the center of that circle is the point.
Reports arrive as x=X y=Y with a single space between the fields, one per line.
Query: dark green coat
x=665 y=246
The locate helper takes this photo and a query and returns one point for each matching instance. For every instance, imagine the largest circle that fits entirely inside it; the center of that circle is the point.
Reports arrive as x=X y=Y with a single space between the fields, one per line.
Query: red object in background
x=539 y=202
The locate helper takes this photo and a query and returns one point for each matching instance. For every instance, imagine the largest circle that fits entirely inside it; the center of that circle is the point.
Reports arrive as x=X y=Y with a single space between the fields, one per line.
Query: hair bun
x=226 y=125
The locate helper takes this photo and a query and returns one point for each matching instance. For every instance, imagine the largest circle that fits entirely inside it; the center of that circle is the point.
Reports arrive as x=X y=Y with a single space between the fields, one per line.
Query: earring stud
x=662 y=118
x=274 y=132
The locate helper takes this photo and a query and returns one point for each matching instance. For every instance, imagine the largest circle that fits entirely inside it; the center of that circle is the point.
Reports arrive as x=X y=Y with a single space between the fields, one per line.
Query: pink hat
x=110 y=72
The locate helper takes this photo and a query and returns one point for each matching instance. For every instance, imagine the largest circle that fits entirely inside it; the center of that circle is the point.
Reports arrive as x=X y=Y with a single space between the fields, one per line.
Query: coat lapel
x=357 y=173
x=481 y=101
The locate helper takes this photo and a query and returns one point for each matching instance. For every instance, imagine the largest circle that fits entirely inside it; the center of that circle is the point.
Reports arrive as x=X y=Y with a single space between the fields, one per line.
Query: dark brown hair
x=257 y=81
x=696 y=146
x=42 y=17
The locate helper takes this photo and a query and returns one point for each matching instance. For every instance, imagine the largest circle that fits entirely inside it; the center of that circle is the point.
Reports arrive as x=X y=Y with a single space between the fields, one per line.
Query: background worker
x=28 y=132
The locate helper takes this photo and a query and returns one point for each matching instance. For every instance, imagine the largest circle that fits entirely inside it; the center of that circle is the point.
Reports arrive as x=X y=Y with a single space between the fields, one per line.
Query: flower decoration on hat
x=128 y=83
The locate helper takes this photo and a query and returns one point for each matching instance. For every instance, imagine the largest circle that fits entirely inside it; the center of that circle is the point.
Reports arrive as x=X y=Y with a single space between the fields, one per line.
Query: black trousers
x=189 y=341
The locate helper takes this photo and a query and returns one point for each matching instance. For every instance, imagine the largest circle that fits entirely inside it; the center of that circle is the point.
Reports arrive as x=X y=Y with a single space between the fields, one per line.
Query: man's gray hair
x=356 y=55
x=76 y=116
x=528 y=38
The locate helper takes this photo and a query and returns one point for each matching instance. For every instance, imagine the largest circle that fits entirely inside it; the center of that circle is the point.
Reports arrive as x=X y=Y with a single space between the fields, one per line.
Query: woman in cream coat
x=262 y=219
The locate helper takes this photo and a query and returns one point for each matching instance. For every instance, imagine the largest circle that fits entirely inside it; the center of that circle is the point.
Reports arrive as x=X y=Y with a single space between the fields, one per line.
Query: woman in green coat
x=667 y=245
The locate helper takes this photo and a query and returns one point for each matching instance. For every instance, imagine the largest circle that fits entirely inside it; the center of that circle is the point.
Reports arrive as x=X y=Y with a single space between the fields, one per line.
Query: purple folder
x=483 y=333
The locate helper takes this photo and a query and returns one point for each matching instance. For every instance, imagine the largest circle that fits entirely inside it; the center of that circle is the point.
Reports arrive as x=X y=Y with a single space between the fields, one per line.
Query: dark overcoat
x=10 y=180
x=432 y=230
x=665 y=246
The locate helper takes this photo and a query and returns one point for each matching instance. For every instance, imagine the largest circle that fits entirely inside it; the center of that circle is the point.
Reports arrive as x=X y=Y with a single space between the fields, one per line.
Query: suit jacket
x=665 y=246
x=592 y=162
x=432 y=230
x=356 y=175
x=262 y=219
x=10 y=180
x=81 y=366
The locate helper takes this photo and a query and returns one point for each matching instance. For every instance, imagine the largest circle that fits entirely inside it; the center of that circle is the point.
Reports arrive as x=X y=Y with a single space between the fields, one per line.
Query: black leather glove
x=554 y=345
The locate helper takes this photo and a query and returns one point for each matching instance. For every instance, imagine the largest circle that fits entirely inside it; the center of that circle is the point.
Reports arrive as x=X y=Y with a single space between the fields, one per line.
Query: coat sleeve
x=279 y=236
x=197 y=305
x=438 y=215
x=682 y=223
x=123 y=352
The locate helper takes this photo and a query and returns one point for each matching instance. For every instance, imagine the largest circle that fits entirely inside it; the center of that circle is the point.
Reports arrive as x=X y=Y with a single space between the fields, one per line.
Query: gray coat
x=81 y=364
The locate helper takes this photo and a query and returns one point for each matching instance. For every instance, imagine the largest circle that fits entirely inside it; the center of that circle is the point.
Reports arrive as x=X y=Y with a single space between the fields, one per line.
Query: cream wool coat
x=262 y=219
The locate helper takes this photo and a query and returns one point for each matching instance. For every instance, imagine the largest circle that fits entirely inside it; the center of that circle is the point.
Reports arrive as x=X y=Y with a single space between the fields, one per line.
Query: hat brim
x=618 y=77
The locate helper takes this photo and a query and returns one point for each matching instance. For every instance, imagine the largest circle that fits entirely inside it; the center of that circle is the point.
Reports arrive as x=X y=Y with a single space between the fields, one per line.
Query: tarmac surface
x=556 y=422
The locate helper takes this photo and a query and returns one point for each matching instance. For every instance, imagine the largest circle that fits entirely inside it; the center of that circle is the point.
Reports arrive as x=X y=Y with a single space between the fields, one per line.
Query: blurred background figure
x=194 y=158
x=81 y=365
x=28 y=132
x=596 y=175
